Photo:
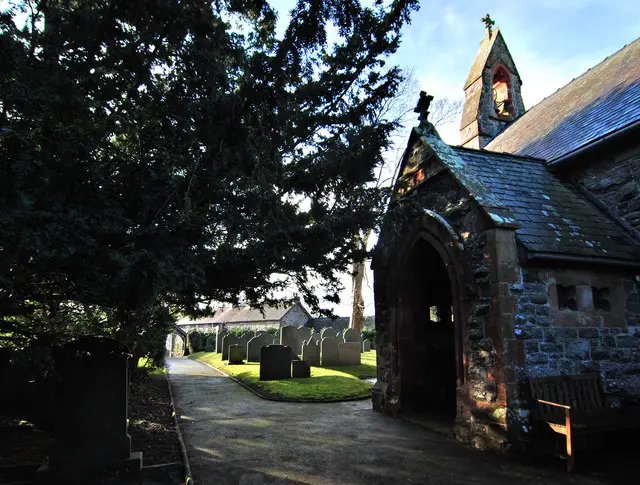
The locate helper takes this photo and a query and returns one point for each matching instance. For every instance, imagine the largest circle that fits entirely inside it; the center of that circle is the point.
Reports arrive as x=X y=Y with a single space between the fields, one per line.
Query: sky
x=551 y=42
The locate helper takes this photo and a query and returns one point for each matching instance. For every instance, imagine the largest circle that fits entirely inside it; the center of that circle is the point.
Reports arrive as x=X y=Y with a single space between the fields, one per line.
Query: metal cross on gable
x=488 y=22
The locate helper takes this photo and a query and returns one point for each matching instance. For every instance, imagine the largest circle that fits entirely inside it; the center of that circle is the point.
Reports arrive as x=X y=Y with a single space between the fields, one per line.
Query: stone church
x=515 y=255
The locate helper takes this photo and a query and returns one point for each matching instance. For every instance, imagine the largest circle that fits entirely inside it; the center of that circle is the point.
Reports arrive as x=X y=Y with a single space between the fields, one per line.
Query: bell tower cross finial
x=489 y=23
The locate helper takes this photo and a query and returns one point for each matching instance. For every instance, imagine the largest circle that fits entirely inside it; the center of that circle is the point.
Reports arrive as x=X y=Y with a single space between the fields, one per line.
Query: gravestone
x=275 y=362
x=220 y=334
x=349 y=353
x=229 y=339
x=311 y=352
x=254 y=345
x=289 y=337
x=236 y=354
x=303 y=334
x=327 y=332
x=90 y=426
x=316 y=337
x=351 y=335
x=329 y=352
x=300 y=368
x=366 y=345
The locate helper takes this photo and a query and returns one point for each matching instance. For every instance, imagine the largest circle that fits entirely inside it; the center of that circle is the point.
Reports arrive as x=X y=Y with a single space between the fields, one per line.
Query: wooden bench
x=574 y=406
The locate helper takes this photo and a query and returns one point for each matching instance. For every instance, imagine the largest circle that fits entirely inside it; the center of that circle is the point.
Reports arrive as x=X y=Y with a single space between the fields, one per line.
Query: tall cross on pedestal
x=488 y=23
x=423 y=106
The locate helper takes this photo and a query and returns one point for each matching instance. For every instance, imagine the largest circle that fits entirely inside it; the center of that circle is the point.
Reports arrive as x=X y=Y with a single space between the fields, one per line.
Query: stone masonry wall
x=481 y=399
x=599 y=334
x=613 y=176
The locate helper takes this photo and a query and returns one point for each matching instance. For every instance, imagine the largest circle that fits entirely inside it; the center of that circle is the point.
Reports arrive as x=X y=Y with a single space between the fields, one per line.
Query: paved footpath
x=234 y=437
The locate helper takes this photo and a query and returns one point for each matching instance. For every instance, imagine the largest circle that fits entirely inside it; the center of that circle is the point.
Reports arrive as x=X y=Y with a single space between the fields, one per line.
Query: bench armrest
x=563 y=406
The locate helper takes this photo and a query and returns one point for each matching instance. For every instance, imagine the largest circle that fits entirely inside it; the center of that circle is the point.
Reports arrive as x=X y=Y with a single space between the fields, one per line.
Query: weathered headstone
x=315 y=336
x=90 y=426
x=366 y=345
x=254 y=345
x=311 y=352
x=300 y=368
x=236 y=354
x=275 y=362
x=327 y=332
x=329 y=352
x=220 y=334
x=303 y=334
x=349 y=353
x=289 y=337
x=229 y=339
x=351 y=335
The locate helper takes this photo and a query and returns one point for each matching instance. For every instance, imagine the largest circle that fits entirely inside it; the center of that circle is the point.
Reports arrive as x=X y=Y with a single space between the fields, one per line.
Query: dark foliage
x=154 y=155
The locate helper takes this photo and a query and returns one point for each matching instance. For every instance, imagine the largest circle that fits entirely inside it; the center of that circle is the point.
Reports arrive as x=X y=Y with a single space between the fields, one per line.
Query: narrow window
x=601 y=299
x=502 y=93
x=567 y=298
x=434 y=314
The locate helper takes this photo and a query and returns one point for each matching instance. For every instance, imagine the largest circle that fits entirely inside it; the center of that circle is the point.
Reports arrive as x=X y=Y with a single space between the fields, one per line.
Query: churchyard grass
x=323 y=385
x=151 y=369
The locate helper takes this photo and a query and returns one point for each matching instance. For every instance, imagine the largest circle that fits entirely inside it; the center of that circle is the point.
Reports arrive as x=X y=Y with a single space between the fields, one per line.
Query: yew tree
x=188 y=151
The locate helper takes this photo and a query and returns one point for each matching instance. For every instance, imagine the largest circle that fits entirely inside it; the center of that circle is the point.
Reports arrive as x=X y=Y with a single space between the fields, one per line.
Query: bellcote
x=492 y=92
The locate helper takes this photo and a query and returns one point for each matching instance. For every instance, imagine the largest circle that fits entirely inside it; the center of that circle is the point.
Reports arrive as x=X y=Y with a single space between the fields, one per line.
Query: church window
x=503 y=102
x=601 y=299
x=567 y=298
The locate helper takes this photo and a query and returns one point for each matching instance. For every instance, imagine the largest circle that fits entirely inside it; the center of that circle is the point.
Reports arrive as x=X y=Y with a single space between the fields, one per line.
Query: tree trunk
x=357 y=309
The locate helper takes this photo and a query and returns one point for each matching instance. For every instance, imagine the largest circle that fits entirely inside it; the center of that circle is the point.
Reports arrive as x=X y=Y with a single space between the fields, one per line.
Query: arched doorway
x=427 y=333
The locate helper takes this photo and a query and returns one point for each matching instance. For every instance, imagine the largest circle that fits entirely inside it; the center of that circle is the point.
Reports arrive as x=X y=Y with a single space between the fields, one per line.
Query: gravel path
x=234 y=437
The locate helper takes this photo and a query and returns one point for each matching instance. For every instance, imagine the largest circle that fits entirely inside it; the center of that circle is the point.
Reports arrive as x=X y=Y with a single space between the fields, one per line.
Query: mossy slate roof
x=552 y=217
x=601 y=101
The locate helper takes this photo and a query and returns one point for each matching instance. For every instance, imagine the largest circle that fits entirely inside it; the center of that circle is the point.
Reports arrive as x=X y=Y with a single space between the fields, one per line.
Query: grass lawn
x=151 y=369
x=325 y=384
x=365 y=370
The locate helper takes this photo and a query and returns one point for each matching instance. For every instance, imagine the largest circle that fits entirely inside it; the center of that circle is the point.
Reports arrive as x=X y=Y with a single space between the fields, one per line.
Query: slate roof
x=552 y=217
x=244 y=315
x=601 y=101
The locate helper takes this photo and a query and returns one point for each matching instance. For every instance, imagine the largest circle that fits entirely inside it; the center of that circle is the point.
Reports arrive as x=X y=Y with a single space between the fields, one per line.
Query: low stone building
x=250 y=318
x=516 y=255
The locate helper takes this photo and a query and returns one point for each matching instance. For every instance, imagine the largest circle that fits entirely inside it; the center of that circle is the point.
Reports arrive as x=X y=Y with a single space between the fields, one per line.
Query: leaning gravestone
x=349 y=353
x=90 y=424
x=275 y=362
x=329 y=352
x=366 y=345
x=311 y=352
x=300 y=368
x=236 y=354
x=255 y=344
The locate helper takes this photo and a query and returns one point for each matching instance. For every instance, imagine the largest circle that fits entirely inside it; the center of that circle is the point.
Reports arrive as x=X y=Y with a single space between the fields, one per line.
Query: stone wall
x=612 y=174
x=485 y=263
x=567 y=325
x=295 y=316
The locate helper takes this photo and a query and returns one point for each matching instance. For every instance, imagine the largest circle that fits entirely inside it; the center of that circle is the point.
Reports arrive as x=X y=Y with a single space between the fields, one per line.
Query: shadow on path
x=234 y=437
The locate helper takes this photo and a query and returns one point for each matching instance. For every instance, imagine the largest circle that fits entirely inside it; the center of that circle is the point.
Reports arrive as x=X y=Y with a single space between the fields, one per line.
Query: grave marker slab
x=311 y=352
x=300 y=368
x=275 y=362
x=349 y=353
x=366 y=345
x=329 y=352
x=236 y=354
x=254 y=345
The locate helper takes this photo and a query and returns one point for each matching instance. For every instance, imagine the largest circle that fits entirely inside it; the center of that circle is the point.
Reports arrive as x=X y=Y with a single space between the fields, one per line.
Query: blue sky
x=551 y=42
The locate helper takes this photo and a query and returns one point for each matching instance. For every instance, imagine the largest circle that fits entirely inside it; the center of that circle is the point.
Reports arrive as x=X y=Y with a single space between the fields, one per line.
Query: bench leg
x=570 y=458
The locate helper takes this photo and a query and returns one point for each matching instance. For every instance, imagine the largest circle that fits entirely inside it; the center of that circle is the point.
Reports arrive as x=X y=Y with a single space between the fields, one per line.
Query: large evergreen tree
x=157 y=150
